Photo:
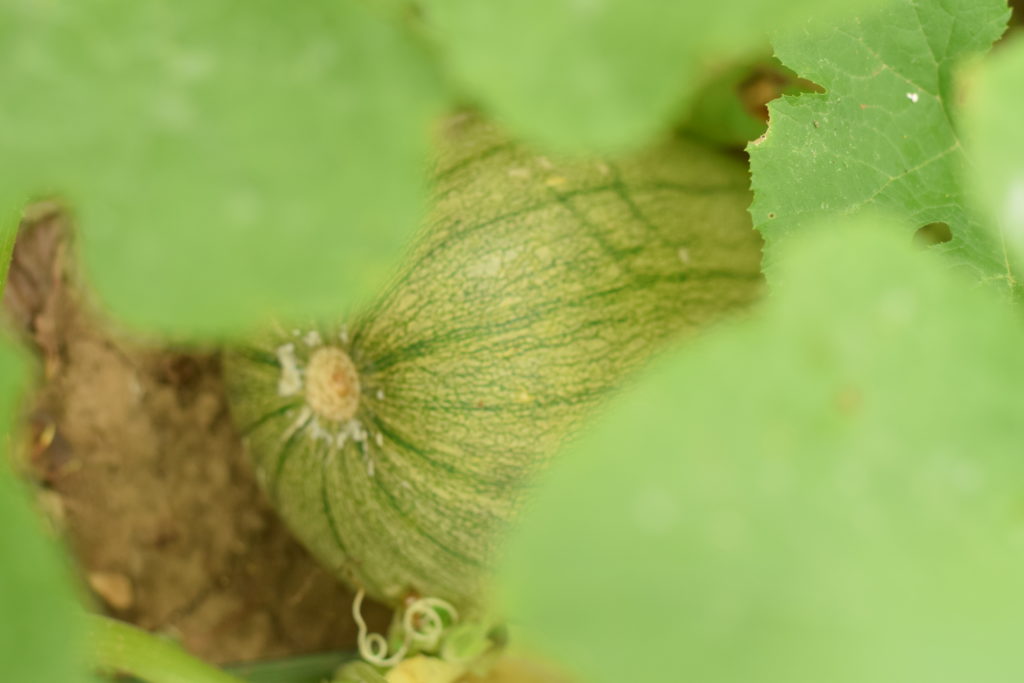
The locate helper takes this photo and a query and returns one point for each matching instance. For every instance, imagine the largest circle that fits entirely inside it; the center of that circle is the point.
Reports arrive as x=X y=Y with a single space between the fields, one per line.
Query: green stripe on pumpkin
x=534 y=289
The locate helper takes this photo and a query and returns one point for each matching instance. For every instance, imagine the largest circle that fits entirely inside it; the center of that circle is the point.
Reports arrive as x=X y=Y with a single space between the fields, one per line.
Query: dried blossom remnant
x=332 y=384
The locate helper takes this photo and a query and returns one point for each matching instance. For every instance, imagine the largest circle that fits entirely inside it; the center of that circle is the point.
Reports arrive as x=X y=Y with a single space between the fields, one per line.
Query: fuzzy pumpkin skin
x=533 y=289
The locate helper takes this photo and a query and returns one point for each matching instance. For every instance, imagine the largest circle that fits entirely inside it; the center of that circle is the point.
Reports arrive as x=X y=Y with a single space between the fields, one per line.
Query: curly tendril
x=422 y=625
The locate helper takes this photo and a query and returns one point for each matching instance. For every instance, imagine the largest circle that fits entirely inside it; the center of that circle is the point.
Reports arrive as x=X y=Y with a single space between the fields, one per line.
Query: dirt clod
x=140 y=468
x=115 y=589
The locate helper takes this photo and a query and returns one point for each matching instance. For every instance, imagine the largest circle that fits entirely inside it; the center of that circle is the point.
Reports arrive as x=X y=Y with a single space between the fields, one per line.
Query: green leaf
x=992 y=124
x=41 y=637
x=827 y=492
x=883 y=135
x=598 y=75
x=226 y=160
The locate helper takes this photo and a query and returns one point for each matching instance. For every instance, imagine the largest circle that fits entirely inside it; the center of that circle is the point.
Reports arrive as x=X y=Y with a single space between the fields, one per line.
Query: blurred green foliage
x=995 y=140
x=226 y=161
x=827 y=492
x=600 y=75
x=41 y=637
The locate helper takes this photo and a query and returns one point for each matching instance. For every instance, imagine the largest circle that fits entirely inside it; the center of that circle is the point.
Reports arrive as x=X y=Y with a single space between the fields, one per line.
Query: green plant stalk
x=117 y=647
x=305 y=669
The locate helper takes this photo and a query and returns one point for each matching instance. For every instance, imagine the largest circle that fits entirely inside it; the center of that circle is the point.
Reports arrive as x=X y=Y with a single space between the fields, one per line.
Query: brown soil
x=141 y=470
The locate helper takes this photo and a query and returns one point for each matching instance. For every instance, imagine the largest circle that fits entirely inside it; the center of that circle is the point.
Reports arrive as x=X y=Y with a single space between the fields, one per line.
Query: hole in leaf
x=932 y=234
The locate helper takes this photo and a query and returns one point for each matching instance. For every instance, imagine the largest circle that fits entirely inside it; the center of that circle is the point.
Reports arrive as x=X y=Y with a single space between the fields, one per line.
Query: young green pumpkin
x=400 y=445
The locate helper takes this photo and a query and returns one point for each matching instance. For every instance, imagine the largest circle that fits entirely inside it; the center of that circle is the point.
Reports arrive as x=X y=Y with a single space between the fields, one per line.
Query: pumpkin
x=399 y=443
